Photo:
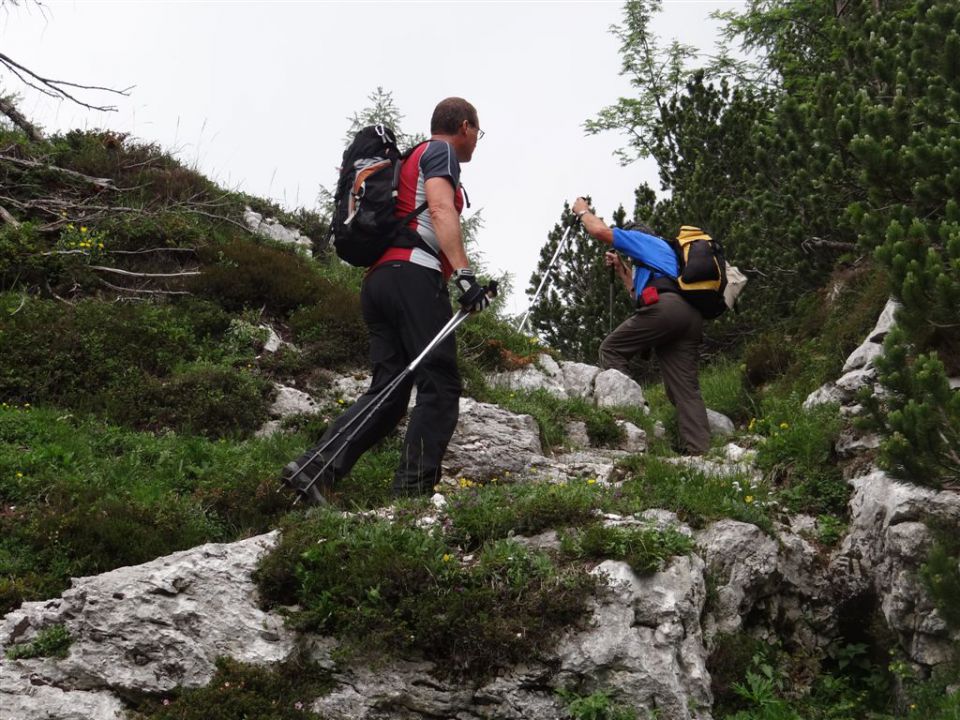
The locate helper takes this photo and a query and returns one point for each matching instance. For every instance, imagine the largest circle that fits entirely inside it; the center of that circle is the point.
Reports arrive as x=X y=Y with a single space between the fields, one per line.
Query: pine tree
x=576 y=308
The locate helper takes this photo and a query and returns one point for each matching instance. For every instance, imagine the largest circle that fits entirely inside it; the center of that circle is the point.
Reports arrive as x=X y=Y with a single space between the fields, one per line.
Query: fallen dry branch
x=104 y=183
x=185 y=273
x=16 y=117
x=142 y=291
x=8 y=218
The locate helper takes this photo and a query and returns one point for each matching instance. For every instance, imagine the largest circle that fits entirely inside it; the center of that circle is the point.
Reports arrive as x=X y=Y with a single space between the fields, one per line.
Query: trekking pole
x=613 y=277
x=360 y=419
x=546 y=274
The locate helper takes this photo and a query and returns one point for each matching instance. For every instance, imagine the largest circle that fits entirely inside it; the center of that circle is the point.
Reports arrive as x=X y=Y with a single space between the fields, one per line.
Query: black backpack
x=706 y=281
x=364 y=224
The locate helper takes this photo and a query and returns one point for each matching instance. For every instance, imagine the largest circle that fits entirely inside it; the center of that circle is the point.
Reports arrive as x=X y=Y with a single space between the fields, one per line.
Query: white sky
x=256 y=95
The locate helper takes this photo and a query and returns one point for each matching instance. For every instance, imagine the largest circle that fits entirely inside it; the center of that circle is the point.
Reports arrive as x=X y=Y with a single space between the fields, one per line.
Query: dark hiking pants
x=673 y=329
x=404 y=306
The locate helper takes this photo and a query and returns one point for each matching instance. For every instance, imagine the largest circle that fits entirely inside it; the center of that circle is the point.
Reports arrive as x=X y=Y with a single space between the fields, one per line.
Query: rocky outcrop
x=149 y=628
x=272 y=229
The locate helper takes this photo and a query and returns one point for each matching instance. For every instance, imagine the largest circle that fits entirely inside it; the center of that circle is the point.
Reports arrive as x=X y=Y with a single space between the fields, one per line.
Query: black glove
x=473 y=296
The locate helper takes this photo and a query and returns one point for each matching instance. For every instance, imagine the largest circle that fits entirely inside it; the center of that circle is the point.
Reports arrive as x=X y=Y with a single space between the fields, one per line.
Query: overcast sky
x=256 y=95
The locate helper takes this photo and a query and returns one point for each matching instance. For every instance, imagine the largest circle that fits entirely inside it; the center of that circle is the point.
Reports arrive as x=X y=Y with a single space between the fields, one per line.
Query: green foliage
x=696 y=496
x=482 y=513
x=596 y=706
x=51 y=641
x=79 y=497
x=20 y=261
x=730 y=659
x=199 y=399
x=723 y=389
x=580 y=302
x=646 y=550
x=920 y=416
x=131 y=363
x=941 y=574
x=332 y=331
x=237 y=690
x=797 y=455
x=392 y=587
x=243 y=274
x=493 y=345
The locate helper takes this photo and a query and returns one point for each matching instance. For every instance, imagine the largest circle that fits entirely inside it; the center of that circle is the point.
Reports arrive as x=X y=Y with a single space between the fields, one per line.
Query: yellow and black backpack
x=706 y=280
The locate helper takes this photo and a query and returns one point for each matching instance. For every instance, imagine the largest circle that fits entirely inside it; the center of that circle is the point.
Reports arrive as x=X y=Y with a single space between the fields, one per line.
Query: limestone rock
x=148 y=628
x=271 y=228
x=720 y=424
x=612 y=388
x=578 y=379
x=490 y=441
x=290 y=401
x=646 y=637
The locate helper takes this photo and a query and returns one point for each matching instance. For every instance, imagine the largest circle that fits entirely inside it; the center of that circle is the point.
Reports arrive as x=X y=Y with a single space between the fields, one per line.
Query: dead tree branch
x=145 y=275
x=103 y=183
x=16 y=117
x=816 y=243
x=8 y=218
x=142 y=290
x=58 y=88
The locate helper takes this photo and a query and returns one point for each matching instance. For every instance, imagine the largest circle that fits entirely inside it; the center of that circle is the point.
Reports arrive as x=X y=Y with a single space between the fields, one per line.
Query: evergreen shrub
x=391 y=587
x=241 y=274
x=332 y=332
x=200 y=399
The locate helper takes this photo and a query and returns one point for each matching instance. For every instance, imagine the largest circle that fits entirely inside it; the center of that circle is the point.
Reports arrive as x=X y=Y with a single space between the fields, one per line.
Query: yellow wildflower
x=592 y=481
x=83 y=229
x=447 y=557
x=19 y=474
x=784 y=426
x=748 y=499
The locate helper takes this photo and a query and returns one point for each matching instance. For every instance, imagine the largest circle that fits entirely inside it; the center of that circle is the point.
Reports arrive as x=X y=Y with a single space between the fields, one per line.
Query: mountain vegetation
x=135 y=305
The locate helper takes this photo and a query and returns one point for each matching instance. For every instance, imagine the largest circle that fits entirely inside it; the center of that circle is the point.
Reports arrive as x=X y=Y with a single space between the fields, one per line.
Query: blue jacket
x=655 y=256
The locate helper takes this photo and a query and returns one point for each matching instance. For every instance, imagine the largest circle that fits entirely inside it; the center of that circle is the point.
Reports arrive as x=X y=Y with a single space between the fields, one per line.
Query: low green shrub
x=198 y=399
x=238 y=690
x=941 y=573
x=602 y=427
x=729 y=660
x=596 y=706
x=723 y=390
x=391 y=587
x=241 y=274
x=646 y=550
x=69 y=355
x=51 y=641
x=332 y=332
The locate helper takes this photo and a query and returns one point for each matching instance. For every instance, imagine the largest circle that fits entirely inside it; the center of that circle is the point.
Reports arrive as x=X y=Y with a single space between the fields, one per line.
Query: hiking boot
x=298 y=479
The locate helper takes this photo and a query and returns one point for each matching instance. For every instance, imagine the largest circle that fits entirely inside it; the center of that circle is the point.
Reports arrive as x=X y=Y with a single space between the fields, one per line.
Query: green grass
x=79 y=497
x=696 y=496
x=52 y=641
x=645 y=550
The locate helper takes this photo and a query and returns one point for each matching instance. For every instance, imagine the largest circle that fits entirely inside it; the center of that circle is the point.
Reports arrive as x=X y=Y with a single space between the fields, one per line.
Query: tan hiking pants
x=673 y=329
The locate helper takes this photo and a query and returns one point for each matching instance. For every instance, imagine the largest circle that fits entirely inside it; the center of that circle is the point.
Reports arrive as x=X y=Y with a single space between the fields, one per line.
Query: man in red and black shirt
x=405 y=304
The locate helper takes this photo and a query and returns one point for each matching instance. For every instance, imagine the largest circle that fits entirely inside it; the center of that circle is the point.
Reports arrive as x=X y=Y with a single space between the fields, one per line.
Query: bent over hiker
x=405 y=304
x=663 y=322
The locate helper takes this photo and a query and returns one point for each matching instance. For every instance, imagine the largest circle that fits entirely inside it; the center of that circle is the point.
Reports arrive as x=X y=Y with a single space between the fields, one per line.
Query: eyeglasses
x=480 y=133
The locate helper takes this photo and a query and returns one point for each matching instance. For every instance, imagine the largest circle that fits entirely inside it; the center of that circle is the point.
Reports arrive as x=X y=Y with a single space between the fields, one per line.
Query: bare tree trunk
x=10 y=110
